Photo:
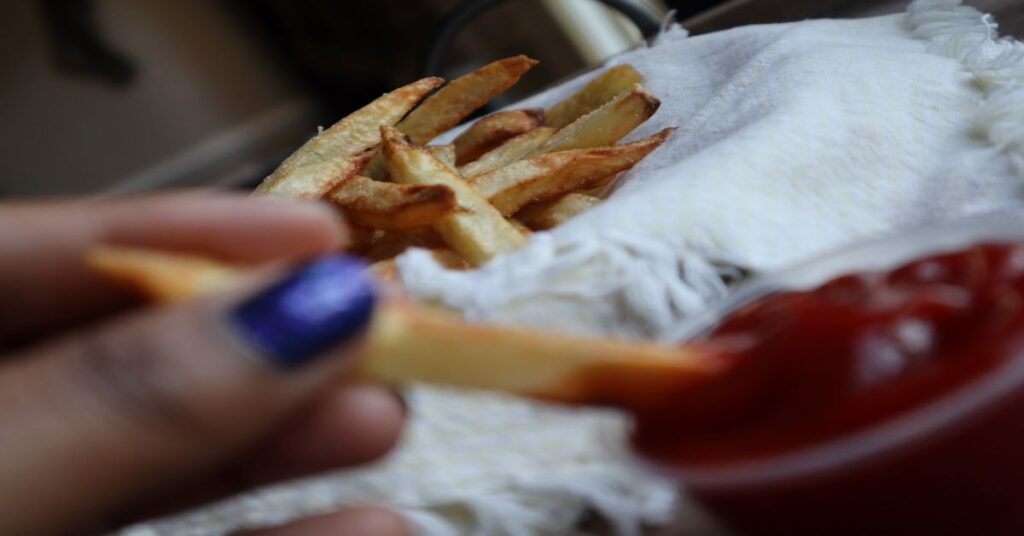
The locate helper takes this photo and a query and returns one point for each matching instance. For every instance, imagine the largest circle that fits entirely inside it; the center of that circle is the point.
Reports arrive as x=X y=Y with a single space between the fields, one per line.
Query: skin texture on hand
x=111 y=411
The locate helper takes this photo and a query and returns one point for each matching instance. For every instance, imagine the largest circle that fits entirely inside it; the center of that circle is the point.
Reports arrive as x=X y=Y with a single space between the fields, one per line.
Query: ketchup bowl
x=877 y=390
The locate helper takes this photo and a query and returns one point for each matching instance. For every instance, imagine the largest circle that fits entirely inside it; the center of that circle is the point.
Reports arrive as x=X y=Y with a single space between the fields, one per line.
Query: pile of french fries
x=507 y=174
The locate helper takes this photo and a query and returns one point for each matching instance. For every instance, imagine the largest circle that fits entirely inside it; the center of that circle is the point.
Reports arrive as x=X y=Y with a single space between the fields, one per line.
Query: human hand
x=110 y=411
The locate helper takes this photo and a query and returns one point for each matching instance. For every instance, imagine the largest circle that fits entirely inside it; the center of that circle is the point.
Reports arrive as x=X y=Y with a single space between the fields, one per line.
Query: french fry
x=493 y=130
x=454 y=102
x=391 y=243
x=477 y=231
x=508 y=152
x=550 y=214
x=601 y=89
x=407 y=343
x=444 y=153
x=461 y=97
x=521 y=227
x=339 y=152
x=551 y=175
x=361 y=238
x=607 y=124
x=386 y=205
x=450 y=259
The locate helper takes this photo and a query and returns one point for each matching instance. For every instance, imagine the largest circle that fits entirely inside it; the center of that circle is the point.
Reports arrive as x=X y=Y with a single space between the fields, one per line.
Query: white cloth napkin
x=793 y=139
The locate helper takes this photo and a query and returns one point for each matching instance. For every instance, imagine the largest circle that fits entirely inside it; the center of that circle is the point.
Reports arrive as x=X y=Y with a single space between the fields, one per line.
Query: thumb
x=93 y=421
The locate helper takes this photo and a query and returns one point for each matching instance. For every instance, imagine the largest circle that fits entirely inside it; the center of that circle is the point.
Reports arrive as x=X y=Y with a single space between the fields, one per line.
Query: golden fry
x=386 y=205
x=340 y=151
x=461 y=97
x=392 y=243
x=454 y=102
x=607 y=124
x=476 y=230
x=550 y=214
x=511 y=151
x=444 y=153
x=595 y=93
x=551 y=175
x=493 y=130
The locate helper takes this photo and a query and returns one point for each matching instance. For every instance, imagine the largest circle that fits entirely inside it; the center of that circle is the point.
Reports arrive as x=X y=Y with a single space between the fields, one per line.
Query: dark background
x=129 y=95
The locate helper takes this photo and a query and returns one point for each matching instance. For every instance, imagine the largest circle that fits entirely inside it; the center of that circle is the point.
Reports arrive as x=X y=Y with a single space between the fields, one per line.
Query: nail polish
x=316 y=307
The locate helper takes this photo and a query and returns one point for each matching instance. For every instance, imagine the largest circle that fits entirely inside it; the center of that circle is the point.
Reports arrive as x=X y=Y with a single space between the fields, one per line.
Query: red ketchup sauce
x=820 y=370
x=811 y=366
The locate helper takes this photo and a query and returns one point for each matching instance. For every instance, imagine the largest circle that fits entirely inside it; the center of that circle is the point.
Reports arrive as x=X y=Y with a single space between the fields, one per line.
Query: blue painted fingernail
x=316 y=307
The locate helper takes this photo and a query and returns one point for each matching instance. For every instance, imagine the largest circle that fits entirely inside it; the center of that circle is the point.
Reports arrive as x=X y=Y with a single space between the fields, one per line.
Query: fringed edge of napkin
x=639 y=277
x=996 y=64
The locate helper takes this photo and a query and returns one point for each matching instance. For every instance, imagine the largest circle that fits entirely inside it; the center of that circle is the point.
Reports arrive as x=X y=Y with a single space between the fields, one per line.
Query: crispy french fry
x=391 y=243
x=444 y=153
x=599 y=90
x=386 y=205
x=551 y=175
x=461 y=97
x=511 y=151
x=550 y=214
x=454 y=102
x=491 y=131
x=521 y=227
x=407 y=343
x=361 y=238
x=340 y=151
x=477 y=231
x=607 y=124
x=313 y=181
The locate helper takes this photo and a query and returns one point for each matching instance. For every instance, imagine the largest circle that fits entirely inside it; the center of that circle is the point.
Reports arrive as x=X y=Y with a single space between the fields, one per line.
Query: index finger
x=42 y=245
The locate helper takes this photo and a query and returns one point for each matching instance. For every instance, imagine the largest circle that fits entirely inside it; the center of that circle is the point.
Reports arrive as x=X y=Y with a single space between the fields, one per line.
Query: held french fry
x=601 y=89
x=390 y=206
x=509 y=152
x=550 y=214
x=340 y=151
x=407 y=343
x=493 y=130
x=607 y=124
x=476 y=230
x=551 y=175
x=414 y=344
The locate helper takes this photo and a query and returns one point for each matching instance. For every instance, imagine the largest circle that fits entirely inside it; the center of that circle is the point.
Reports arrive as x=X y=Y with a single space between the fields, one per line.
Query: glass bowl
x=951 y=465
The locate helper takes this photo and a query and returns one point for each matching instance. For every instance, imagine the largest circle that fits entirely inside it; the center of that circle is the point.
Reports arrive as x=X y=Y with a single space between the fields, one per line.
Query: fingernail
x=316 y=307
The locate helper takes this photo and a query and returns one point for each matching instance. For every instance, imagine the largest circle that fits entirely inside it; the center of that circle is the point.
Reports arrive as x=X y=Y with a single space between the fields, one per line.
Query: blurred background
x=113 y=96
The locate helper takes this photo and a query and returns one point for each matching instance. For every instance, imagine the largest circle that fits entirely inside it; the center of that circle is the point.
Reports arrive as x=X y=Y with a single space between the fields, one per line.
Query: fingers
x=46 y=285
x=103 y=417
x=354 y=521
x=349 y=424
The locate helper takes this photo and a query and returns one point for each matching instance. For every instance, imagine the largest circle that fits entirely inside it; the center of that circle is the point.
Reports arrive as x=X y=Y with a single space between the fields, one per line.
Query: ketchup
x=806 y=367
